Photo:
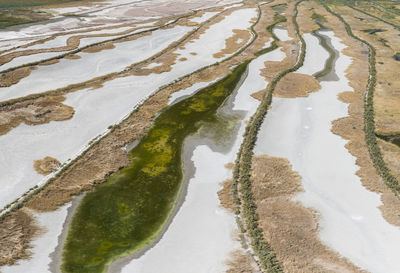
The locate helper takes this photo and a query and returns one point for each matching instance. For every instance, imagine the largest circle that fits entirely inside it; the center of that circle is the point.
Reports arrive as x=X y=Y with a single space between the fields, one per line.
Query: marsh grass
x=127 y=212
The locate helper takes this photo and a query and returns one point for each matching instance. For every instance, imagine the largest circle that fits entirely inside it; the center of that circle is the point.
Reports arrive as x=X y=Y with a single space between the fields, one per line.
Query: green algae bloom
x=127 y=212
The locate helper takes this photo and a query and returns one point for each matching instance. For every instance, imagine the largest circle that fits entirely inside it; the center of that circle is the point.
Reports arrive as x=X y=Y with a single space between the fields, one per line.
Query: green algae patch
x=128 y=212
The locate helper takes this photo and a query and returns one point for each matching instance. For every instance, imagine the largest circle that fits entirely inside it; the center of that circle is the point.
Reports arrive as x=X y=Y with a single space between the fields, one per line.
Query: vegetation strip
x=369 y=122
x=126 y=213
x=245 y=202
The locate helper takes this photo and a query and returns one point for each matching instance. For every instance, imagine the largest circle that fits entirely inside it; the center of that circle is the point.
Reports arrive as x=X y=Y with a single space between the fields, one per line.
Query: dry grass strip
x=16 y=233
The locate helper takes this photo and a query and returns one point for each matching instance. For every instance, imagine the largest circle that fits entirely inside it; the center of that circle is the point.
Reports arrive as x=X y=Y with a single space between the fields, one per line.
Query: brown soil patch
x=188 y=22
x=98 y=48
x=193 y=53
x=42 y=110
x=51 y=62
x=16 y=232
x=258 y=95
x=240 y=262
x=72 y=57
x=46 y=165
x=13 y=77
x=233 y=43
x=290 y=228
x=225 y=195
x=273 y=176
x=183 y=59
x=296 y=85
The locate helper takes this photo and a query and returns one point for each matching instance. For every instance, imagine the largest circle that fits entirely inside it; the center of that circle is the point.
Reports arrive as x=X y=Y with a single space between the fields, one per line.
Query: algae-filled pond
x=127 y=212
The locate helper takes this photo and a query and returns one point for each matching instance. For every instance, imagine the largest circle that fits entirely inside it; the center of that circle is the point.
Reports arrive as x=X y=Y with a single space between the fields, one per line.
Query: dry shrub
x=33 y=112
x=46 y=165
x=16 y=231
x=13 y=77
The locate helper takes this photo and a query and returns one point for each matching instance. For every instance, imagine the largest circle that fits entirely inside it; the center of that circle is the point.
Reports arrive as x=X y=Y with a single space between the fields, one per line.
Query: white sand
x=200 y=235
x=65 y=140
x=92 y=65
x=28 y=59
x=6 y=44
x=107 y=14
x=62 y=40
x=214 y=38
x=299 y=129
x=43 y=245
x=282 y=34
